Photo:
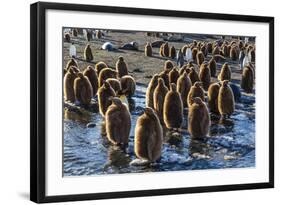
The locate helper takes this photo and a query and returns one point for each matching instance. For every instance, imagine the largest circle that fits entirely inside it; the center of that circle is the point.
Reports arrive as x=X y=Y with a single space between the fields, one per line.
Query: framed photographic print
x=129 y=102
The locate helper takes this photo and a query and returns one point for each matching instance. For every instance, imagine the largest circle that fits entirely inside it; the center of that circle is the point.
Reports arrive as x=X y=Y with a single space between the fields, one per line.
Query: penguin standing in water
x=198 y=119
x=148 y=136
x=226 y=103
x=195 y=91
x=90 y=72
x=83 y=89
x=183 y=87
x=128 y=85
x=150 y=91
x=173 y=108
x=158 y=98
x=118 y=123
x=247 y=82
x=68 y=85
x=213 y=93
x=104 y=94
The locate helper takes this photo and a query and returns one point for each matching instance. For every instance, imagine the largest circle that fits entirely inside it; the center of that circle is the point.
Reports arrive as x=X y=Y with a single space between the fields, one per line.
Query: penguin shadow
x=117 y=157
x=199 y=149
x=82 y=117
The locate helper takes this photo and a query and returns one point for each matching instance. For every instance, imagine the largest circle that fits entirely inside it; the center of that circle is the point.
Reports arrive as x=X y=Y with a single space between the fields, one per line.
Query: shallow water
x=231 y=143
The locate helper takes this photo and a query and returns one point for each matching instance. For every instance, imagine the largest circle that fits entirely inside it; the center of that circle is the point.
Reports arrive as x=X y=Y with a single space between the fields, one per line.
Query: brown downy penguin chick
x=225 y=73
x=247 y=82
x=173 y=75
x=121 y=67
x=198 y=119
x=184 y=48
x=148 y=136
x=158 y=98
x=98 y=34
x=118 y=123
x=115 y=84
x=166 y=49
x=219 y=58
x=71 y=62
x=168 y=65
x=195 y=91
x=104 y=94
x=75 y=32
x=161 y=50
x=172 y=53
x=213 y=67
x=213 y=93
x=216 y=50
x=150 y=91
x=83 y=89
x=68 y=85
x=193 y=75
x=234 y=54
x=106 y=73
x=88 y=55
x=90 y=72
x=148 y=50
x=226 y=101
x=225 y=50
x=67 y=37
x=99 y=66
x=194 y=54
x=128 y=85
x=205 y=75
x=173 y=108
x=165 y=76
x=182 y=70
x=209 y=47
x=200 y=58
x=183 y=87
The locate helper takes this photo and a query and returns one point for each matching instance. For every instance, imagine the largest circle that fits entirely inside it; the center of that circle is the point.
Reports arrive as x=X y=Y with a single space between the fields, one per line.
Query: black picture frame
x=38 y=100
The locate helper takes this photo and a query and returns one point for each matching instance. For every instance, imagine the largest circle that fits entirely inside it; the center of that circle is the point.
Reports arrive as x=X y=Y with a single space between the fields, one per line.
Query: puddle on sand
x=231 y=144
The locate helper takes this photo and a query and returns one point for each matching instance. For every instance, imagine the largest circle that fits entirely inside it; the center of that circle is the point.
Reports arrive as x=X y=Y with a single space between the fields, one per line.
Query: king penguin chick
x=173 y=108
x=183 y=87
x=90 y=72
x=121 y=67
x=213 y=93
x=198 y=119
x=158 y=98
x=83 y=89
x=195 y=91
x=225 y=73
x=104 y=94
x=226 y=101
x=150 y=91
x=205 y=75
x=118 y=123
x=148 y=136
x=88 y=55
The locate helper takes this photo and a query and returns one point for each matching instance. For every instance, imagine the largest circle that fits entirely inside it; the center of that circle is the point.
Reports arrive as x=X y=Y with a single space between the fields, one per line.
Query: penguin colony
x=195 y=87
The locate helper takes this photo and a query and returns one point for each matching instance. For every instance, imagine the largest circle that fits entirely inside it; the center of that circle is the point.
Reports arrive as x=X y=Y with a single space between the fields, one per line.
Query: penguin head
x=197 y=84
x=115 y=101
x=161 y=81
x=121 y=58
x=80 y=75
x=187 y=71
x=225 y=83
x=106 y=84
x=149 y=111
